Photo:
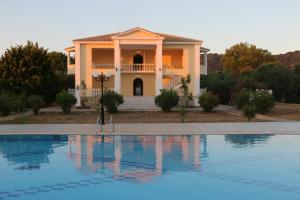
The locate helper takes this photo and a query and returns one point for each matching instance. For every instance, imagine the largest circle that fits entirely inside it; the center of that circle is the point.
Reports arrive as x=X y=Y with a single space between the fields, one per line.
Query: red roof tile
x=108 y=37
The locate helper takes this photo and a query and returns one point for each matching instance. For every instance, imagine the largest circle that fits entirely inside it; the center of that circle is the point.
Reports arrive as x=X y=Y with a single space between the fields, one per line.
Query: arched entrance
x=138 y=87
x=138 y=59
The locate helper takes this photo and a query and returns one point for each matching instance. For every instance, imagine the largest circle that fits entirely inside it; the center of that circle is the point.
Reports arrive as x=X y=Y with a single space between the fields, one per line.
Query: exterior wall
x=103 y=56
x=173 y=57
x=148 y=84
x=191 y=63
x=127 y=56
x=110 y=84
x=86 y=51
x=166 y=82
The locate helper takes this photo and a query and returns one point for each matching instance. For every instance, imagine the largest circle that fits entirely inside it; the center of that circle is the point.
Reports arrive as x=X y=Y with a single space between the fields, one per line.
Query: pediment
x=137 y=33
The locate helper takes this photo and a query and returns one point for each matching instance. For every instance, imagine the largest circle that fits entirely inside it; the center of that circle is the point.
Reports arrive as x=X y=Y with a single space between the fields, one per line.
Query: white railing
x=94 y=92
x=171 y=67
x=175 y=83
x=71 y=91
x=138 y=67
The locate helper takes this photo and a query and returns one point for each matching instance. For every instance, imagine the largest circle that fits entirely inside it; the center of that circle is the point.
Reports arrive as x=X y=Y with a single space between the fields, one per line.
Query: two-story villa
x=139 y=62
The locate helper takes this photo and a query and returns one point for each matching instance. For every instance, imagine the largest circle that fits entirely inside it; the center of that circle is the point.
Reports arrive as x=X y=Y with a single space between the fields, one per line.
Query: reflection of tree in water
x=29 y=152
x=247 y=140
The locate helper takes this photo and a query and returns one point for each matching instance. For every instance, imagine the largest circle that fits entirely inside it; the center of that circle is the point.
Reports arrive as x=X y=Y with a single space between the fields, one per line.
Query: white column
x=117 y=62
x=158 y=154
x=205 y=63
x=197 y=150
x=77 y=73
x=196 y=72
x=118 y=155
x=158 y=68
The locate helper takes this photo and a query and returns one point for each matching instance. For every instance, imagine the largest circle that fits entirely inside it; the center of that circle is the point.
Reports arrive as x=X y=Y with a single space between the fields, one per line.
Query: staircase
x=138 y=103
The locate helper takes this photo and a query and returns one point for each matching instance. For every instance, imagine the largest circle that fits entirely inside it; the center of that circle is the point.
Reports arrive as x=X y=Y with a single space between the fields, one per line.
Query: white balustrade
x=138 y=67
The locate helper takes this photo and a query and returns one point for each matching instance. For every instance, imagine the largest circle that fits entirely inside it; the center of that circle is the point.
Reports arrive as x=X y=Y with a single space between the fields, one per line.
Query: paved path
x=158 y=129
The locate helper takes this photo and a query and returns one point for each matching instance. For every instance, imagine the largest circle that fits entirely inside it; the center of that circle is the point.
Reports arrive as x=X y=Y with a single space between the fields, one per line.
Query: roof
x=203 y=49
x=109 y=37
x=70 y=48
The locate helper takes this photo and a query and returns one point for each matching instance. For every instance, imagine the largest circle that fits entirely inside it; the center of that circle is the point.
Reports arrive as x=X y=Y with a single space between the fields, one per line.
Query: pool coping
x=280 y=128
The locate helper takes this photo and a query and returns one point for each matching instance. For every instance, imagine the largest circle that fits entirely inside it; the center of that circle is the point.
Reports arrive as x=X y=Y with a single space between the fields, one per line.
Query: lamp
x=101 y=77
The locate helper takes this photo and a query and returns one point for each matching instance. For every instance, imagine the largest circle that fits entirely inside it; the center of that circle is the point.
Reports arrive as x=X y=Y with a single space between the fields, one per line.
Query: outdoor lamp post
x=101 y=77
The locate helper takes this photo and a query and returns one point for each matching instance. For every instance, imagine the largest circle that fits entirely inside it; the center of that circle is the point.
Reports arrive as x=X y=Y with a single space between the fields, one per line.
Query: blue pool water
x=150 y=167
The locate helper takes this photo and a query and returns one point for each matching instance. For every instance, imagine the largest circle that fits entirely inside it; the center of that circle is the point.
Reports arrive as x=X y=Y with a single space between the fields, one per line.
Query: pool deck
x=157 y=129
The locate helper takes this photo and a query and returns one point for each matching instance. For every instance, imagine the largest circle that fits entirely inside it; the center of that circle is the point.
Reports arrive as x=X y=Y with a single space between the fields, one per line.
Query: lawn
x=280 y=111
x=128 y=117
x=287 y=111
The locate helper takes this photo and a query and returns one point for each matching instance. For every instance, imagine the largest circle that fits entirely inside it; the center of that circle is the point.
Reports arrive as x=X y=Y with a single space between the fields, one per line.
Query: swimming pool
x=150 y=167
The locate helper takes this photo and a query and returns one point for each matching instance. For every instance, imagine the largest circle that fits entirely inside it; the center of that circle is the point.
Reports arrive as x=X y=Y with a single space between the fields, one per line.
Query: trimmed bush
x=19 y=102
x=5 y=103
x=243 y=98
x=167 y=99
x=208 y=101
x=263 y=101
x=249 y=111
x=111 y=100
x=66 y=101
x=35 y=102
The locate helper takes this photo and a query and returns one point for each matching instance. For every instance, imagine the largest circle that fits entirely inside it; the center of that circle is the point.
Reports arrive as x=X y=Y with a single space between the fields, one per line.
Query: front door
x=138 y=87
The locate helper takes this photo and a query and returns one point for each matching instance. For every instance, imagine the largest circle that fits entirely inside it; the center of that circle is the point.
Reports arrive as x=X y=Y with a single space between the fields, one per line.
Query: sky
x=269 y=24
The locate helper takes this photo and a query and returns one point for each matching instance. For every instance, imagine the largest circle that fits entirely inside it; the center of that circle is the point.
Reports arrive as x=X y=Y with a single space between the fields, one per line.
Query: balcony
x=138 y=68
x=71 y=69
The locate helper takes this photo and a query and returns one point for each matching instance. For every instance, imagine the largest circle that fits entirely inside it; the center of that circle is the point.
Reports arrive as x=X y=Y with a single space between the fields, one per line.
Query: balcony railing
x=138 y=67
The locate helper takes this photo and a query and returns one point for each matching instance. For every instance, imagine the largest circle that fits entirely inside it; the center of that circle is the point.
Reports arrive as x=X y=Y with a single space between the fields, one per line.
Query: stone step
x=139 y=103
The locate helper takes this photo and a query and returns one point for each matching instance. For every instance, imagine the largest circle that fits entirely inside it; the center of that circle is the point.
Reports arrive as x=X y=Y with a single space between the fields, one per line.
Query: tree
x=28 y=69
x=221 y=84
x=244 y=57
x=276 y=78
x=186 y=96
x=58 y=62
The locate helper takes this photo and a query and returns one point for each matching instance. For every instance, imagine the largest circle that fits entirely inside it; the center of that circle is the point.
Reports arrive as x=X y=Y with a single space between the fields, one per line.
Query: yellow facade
x=162 y=62
x=148 y=84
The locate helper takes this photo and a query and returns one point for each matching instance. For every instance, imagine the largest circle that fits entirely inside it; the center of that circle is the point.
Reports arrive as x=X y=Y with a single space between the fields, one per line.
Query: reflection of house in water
x=137 y=157
x=28 y=152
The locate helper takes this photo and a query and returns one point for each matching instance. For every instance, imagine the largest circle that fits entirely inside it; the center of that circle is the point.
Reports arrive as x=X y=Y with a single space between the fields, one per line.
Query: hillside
x=289 y=60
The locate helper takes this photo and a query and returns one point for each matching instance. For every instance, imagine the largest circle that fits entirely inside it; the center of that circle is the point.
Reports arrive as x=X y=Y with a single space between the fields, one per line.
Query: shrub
x=263 y=101
x=243 y=98
x=167 y=99
x=5 y=103
x=111 y=100
x=19 y=102
x=249 y=111
x=35 y=102
x=208 y=101
x=66 y=101
x=221 y=84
